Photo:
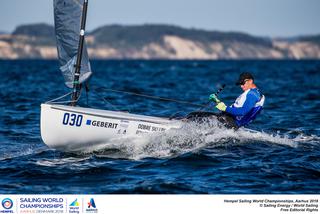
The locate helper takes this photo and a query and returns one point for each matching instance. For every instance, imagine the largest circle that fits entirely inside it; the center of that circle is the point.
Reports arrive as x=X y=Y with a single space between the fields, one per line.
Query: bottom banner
x=148 y=204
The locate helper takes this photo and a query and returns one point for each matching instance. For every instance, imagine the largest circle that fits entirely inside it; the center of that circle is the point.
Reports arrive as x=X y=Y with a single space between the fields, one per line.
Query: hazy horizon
x=272 y=18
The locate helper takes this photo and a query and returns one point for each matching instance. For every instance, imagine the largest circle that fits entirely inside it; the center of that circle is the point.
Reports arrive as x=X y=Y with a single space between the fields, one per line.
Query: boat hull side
x=72 y=128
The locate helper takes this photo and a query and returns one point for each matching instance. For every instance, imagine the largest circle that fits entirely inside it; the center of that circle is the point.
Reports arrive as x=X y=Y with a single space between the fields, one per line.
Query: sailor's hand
x=221 y=106
x=214 y=98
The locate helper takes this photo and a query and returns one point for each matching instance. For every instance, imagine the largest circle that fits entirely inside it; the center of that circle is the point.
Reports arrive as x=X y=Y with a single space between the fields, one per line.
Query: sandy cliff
x=161 y=42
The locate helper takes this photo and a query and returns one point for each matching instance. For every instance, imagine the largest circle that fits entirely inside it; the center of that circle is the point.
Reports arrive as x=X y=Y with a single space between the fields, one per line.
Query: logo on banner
x=91 y=204
x=92 y=208
x=75 y=203
x=7 y=203
x=74 y=207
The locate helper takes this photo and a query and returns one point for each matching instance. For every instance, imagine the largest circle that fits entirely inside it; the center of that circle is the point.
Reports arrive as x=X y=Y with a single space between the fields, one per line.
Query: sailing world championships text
x=48 y=203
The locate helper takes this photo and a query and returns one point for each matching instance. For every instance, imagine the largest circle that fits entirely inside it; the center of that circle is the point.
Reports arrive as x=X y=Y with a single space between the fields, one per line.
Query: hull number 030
x=72 y=119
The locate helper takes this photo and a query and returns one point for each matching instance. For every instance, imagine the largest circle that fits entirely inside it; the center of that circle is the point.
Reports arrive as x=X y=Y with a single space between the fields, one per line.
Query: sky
x=274 y=18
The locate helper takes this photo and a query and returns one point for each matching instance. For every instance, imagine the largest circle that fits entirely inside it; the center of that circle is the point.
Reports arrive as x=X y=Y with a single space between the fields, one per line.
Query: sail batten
x=67 y=19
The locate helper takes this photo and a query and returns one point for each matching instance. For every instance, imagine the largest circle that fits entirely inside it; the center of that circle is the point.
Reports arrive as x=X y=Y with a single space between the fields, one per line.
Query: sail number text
x=72 y=119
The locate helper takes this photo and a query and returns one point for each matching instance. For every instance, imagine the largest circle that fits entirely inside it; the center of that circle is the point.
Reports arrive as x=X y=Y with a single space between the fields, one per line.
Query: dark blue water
x=283 y=157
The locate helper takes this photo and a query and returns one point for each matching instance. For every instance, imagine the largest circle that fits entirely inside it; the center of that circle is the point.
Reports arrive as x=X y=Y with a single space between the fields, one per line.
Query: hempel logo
x=7 y=203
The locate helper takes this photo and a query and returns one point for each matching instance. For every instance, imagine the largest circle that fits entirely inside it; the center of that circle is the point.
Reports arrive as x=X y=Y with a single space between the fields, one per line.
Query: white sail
x=67 y=19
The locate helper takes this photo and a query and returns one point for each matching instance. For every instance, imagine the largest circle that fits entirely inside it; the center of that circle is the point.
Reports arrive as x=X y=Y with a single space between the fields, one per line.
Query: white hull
x=70 y=128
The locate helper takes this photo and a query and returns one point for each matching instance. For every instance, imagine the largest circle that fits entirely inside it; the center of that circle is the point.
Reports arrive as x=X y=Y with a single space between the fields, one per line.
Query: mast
x=76 y=84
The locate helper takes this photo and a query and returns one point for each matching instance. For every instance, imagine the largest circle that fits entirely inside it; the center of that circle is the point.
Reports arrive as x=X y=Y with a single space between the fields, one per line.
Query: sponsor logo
x=103 y=124
x=150 y=128
x=7 y=203
x=92 y=208
x=91 y=203
x=75 y=203
x=74 y=207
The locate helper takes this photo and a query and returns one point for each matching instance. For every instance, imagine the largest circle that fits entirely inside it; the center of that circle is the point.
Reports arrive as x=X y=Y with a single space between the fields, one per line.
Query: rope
x=155 y=97
x=59 y=98
x=106 y=101
x=54 y=101
x=131 y=93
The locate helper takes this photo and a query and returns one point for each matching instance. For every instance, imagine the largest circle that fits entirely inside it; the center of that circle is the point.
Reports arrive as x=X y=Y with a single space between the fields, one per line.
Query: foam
x=191 y=138
x=21 y=152
x=60 y=161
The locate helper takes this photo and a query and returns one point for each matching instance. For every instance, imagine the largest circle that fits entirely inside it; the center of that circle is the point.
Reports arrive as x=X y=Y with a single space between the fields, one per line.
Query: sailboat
x=68 y=127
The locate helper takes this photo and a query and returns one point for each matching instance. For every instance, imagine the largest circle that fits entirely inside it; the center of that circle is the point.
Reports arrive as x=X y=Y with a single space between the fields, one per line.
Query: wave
x=192 y=138
x=20 y=152
x=73 y=161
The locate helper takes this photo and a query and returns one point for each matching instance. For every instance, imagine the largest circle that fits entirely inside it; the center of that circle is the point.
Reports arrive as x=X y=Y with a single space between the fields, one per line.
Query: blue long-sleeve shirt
x=246 y=106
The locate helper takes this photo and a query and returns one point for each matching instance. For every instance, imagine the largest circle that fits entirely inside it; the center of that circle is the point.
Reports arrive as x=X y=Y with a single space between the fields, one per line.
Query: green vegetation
x=314 y=39
x=136 y=36
x=44 y=34
x=37 y=30
x=119 y=36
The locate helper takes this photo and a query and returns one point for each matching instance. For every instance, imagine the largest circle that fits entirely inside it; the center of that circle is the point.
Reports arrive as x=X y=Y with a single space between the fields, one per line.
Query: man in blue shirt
x=246 y=107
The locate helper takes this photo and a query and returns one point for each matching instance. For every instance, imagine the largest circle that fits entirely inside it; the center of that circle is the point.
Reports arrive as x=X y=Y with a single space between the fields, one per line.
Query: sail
x=67 y=18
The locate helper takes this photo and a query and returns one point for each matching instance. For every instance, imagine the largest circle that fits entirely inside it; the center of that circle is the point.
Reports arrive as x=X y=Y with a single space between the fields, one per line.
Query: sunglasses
x=244 y=82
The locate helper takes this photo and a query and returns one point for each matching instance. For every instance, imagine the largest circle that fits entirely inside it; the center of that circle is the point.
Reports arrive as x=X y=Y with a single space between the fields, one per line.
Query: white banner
x=164 y=204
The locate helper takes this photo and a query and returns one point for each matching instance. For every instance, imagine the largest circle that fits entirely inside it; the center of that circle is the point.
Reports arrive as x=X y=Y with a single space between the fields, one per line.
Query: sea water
x=282 y=155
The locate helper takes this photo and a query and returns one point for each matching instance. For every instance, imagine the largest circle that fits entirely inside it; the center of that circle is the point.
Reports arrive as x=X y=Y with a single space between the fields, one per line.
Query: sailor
x=246 y=107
